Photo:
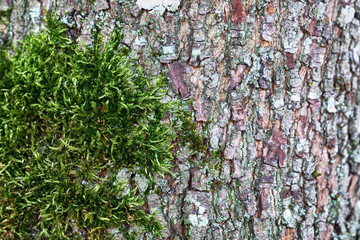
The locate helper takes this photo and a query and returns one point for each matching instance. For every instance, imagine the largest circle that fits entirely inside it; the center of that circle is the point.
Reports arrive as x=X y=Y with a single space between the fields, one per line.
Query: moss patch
x=71 y=117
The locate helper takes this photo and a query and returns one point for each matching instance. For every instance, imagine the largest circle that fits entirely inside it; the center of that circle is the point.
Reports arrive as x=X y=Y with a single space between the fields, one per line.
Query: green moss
x=315 y=174
x=71 y=118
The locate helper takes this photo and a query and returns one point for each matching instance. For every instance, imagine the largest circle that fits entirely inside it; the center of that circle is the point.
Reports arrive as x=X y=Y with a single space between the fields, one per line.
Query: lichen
x=159 y=6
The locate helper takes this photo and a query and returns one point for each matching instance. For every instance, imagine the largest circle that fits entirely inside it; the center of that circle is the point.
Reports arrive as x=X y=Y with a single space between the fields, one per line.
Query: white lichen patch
x=171 y=5
x=196 y=52
x=346 y=16
x=168 y=50
x=149 y=4
x=202 y=210
x=278 y=102
x=287 y=215
x=159 y=6
x=140 y=41
x=198 y=216
x=319 y=11
x=307 y=44
x=198 y=220
x=141 y=182
x=291 y=37
x=168 y=54
x=35 y=9
x=331 y=105
x=314 y=93
x=295 y=98
x=302 y=146
x=356 y=53
x=357 y=121
x=214 y=137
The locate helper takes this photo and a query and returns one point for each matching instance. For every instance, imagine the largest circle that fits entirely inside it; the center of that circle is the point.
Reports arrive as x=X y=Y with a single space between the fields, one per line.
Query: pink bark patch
x=276 y=154
x=238 y=13
x=265 y=194
x=176 y=74
x=290 y=60
x=200 y=110
x=237 y=75
x=322 y=169
x=239 y=114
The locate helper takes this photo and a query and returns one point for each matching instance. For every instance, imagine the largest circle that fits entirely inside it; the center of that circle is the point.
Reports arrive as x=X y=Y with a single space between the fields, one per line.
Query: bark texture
x=278 y=83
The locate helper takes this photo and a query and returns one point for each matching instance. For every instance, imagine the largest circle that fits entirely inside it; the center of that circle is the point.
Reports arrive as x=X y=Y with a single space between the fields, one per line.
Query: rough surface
x=278 y=82
x=159 y=6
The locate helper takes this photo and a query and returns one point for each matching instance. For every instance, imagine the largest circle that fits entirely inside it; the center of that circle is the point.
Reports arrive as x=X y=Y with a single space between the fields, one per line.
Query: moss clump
x=71 y=117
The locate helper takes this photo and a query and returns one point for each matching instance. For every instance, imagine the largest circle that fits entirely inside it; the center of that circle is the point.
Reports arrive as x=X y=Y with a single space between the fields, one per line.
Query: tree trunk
x=278 y=84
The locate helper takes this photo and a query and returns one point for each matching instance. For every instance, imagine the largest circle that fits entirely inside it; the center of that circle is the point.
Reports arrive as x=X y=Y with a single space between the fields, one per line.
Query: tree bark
x=278 y=83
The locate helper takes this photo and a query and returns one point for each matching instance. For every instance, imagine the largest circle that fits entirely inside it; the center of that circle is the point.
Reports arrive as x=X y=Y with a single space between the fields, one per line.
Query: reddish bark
x=238 y=13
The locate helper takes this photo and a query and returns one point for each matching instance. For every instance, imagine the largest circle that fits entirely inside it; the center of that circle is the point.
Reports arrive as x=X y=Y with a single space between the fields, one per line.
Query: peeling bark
x=238 y=14
x=176 y=72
